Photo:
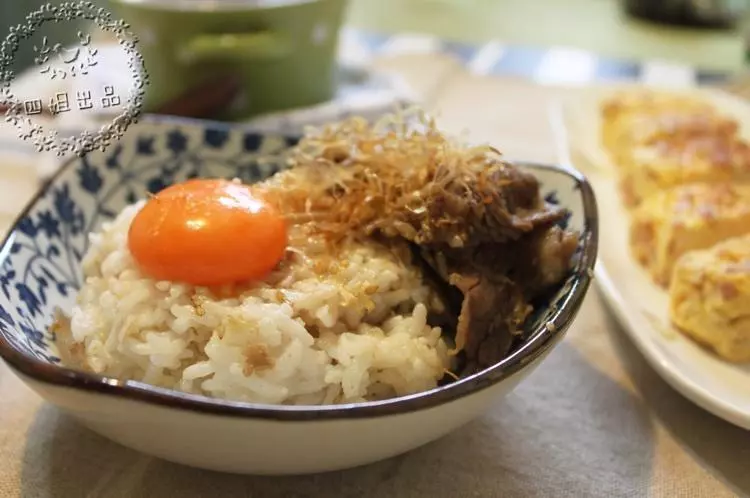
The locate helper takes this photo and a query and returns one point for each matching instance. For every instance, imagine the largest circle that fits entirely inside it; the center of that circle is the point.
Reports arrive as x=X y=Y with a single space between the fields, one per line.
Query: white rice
x=357 y=332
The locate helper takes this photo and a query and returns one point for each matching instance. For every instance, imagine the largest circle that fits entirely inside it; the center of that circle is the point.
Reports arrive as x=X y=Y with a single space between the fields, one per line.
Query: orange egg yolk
x=207 y=232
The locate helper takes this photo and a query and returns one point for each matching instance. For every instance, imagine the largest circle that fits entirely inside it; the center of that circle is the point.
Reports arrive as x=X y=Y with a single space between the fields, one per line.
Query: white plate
x=720 y=387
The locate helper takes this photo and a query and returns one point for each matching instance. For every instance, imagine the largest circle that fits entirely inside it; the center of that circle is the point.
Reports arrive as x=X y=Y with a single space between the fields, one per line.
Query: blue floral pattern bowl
x=40 y=270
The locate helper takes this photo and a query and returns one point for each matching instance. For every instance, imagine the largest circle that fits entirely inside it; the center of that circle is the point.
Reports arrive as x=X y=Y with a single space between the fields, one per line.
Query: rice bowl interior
x=406 y=266
x=368 y=311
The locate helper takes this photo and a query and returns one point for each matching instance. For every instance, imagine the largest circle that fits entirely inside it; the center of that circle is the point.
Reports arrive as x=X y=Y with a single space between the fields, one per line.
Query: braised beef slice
x=451 y=297
x=496 y=283
x=500 y=249
x=537 y=261
x=499 y=206
x=491 y=315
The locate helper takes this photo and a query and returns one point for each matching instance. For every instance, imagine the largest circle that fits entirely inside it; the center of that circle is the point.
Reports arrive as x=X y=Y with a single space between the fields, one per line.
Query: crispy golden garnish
x=257 y=358
x=355 y=178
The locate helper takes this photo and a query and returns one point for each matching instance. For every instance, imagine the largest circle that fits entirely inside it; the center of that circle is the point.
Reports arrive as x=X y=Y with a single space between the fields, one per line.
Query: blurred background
x=282 y=64
x=710 y=37
x=703 y=32
x=707 y=33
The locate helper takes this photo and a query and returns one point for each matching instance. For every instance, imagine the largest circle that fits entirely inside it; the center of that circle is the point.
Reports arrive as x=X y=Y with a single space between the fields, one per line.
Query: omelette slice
x=695 y=216
x=629 y=116
x=710 y=298
x=678 y=161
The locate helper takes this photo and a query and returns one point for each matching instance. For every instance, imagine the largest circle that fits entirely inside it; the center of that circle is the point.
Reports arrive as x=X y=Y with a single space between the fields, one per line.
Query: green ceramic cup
x=283 y=52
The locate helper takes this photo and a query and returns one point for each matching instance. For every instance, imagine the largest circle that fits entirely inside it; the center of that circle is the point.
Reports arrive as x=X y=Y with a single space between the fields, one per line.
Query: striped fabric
x=555 y=65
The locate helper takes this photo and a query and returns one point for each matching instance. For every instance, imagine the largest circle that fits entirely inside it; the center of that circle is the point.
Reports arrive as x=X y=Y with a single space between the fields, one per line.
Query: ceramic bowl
x=40 y=269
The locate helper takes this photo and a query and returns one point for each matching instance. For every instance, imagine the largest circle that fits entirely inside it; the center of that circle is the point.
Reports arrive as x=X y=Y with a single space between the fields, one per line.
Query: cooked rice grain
x=355 y=332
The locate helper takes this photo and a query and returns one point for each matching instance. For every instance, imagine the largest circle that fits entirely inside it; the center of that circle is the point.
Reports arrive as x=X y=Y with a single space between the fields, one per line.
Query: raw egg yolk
x=207 y=232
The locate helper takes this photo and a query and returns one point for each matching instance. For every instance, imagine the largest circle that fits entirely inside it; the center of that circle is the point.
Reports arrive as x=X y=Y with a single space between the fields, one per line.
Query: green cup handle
x=262 y=45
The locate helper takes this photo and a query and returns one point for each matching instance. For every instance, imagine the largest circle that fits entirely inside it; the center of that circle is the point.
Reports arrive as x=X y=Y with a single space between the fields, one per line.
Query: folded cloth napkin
x=360 y=92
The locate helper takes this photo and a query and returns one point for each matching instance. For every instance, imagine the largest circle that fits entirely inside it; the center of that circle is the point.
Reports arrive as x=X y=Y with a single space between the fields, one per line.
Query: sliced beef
x=491 y=237
x=479 y=226
x=550 y=254
x=497 y=206
x=496 y=282
x=492 y=315
x=451 y=297
x=536 y=261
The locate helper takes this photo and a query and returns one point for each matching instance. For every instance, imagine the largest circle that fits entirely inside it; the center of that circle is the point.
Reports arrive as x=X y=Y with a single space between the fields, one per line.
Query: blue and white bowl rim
x=540 y=340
